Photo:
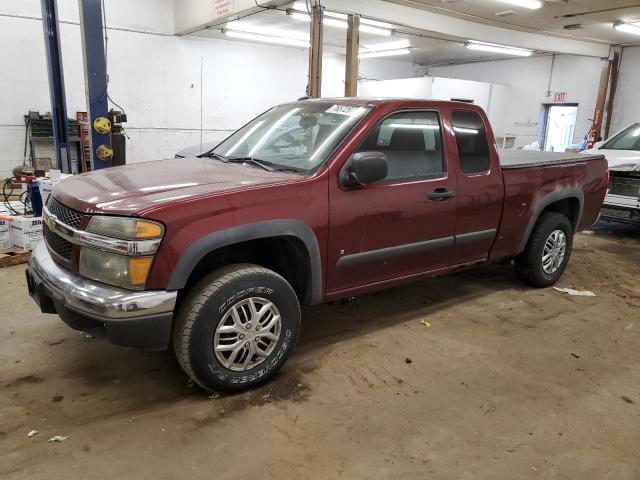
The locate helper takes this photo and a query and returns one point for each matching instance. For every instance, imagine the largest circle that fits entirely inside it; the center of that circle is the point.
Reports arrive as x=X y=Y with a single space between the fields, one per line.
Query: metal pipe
x=56 y=85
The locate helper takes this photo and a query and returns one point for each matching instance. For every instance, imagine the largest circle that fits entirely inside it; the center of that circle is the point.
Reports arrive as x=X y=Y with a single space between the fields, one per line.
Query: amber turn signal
x=139 y=270
x=148 y=230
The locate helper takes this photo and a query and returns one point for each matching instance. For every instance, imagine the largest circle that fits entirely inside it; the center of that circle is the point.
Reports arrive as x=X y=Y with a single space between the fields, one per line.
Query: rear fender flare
x=254 y=231
x=552 y=197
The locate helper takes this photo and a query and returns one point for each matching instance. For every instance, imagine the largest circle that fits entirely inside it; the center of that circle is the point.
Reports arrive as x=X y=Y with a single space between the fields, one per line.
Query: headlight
x=125 y=228
x=119 y=250
x=119 y=270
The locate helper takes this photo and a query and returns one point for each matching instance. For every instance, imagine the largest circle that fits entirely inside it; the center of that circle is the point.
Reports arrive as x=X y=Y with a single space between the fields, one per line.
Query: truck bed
x=512 y=158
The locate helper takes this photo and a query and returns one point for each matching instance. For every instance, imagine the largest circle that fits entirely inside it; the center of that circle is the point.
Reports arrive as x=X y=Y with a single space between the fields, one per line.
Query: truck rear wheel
x=236 y=327
x=547 y=253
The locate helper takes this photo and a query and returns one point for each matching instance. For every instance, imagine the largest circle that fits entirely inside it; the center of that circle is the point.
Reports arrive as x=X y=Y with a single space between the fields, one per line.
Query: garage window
x=412 y=142
x=471 y=139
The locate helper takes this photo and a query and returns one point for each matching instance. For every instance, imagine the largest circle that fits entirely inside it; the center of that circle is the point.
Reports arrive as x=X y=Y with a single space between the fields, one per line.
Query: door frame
x=544 y=117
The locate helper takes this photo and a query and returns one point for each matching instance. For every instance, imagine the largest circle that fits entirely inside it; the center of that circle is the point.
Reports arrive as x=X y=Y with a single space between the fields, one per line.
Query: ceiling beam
x=448 y=26
x=190 y=16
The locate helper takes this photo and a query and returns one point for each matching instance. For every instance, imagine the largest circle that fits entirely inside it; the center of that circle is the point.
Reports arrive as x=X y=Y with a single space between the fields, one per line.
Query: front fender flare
x=254 y=231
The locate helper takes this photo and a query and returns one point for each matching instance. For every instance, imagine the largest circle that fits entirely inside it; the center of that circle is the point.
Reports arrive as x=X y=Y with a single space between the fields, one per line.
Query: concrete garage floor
x=507 y=383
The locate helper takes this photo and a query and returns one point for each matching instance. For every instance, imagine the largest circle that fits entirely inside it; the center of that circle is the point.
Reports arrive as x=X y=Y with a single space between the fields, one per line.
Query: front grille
x=59 y=245
x=65 y=214
x=625 y=186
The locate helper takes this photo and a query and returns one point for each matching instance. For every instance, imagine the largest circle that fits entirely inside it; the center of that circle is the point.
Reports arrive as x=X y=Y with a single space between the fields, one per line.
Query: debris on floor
x=32 y=433
x=425 y=323
x=588 y=232
x=57 y=438
x=575 y=293
x=408 y=360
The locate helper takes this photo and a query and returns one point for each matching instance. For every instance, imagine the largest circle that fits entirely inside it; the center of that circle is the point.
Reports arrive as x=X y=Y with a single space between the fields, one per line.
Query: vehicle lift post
x=95 y=78
x=95 y=73
x=56 y=85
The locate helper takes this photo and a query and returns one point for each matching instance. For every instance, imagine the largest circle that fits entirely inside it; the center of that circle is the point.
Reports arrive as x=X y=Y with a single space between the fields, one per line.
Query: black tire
x=205 y=307
x=529 y=265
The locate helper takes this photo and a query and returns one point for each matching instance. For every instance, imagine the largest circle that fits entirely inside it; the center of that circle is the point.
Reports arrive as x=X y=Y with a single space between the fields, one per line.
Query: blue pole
x=95 y=75
x=56 y=85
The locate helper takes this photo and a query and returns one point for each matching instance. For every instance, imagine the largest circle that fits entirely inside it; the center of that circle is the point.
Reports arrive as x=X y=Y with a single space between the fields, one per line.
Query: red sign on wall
x=559 y=97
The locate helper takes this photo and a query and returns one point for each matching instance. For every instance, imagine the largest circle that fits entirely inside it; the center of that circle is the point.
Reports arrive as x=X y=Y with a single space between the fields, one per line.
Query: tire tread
x=527 y=262
x=197 y=299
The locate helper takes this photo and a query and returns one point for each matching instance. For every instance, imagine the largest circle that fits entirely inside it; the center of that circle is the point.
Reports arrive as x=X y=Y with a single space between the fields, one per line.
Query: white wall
x=333 y=70
x=419 y=87
x=626 y=107
x=155 y=76
x=516 y=110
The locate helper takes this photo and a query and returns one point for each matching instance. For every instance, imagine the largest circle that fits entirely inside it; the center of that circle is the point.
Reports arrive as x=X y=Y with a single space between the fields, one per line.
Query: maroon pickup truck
x=311 y=201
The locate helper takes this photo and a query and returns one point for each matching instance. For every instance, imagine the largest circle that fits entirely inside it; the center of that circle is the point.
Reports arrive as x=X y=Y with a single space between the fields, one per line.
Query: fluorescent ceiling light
x=495 y=48
x=333 y=22
x=383 y=32
x=299 y=15
x=257 y=37
x=384 y=53
x=363 y=21
x=379 y=47
x=376 y=23
x=532 y=4
x=632 y=28
x=415 y=126
x=339 y=20
x=244 y=26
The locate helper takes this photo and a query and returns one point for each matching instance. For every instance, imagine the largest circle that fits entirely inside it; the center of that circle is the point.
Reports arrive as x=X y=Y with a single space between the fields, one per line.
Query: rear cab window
x=471 y=139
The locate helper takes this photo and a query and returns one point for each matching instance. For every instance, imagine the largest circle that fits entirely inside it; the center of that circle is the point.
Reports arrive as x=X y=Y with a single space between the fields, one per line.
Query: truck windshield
x=628 y=139
x=295 y=137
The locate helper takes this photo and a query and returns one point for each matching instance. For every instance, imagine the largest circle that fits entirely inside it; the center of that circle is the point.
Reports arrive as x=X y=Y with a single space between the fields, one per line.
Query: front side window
x=471 y=139
x=412 y=143
x=297 y=137
x=628 y=139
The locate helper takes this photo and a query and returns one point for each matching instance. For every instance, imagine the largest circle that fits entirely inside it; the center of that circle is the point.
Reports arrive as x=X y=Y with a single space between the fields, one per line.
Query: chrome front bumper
x=93 y=298
x=125 y=317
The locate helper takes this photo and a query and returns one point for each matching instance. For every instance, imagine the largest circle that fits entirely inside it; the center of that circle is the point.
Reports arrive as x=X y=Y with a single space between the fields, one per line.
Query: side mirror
x=364 y=168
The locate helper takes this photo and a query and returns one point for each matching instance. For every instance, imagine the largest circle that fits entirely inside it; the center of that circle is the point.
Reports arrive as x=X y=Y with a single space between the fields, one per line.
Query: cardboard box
x=5 y=234
x=26 y=232
x=46 y=186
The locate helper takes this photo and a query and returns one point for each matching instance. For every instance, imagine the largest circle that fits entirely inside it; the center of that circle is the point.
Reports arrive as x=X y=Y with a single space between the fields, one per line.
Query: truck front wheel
x=236 y=327
x=548 y=250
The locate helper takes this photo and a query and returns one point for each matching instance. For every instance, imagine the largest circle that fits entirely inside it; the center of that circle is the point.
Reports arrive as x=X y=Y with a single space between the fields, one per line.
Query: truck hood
x=131 y=189
x=619 y=160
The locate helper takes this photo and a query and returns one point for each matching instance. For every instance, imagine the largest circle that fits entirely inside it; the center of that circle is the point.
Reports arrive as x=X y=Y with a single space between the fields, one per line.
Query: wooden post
x=598 y=115
x=351 y=66
x=314 y=88
x=615 y=70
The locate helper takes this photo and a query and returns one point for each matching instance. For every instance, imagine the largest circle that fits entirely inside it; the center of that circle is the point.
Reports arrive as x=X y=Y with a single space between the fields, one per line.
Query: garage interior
x=470 y=375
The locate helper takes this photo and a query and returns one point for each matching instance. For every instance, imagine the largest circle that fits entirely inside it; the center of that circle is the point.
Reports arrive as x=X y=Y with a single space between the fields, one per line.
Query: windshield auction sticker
x=348 y=110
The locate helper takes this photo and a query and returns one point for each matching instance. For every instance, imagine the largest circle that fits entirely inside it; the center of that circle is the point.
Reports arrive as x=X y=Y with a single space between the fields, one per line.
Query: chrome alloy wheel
x=554 y=251
x=247 y=334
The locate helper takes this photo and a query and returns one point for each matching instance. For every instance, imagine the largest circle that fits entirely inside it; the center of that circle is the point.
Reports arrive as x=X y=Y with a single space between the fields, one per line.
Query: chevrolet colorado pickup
x=311 y=201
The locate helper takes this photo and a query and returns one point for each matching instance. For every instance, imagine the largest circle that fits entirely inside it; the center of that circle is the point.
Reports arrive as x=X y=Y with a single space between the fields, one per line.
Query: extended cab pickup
x=311 y=201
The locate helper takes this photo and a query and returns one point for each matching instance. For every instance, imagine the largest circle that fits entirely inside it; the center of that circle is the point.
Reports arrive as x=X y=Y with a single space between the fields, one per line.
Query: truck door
x=404 y=224
x=480 y=186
